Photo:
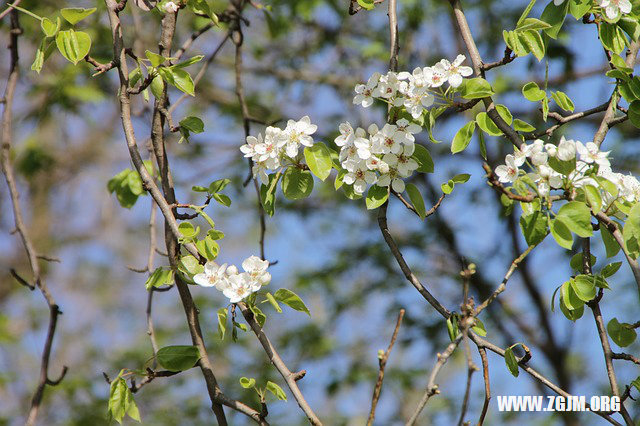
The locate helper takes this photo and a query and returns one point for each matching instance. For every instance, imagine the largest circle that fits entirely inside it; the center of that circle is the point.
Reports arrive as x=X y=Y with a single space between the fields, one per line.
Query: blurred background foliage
x=301 y=57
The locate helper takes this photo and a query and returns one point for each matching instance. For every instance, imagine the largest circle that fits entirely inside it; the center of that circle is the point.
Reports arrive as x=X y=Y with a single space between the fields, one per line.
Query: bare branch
x=382 y=361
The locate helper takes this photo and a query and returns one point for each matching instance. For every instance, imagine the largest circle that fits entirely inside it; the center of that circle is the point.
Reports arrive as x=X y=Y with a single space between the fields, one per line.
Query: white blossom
x=171 y=7
x=614 y=8
x=566 y=149
x=364 y=92
x=214 y=275
x=257 y=269
x=590 y=153
x=358 y=175
x=455 y=71
x=298 y=133
x=240 y=286
x=508 y=172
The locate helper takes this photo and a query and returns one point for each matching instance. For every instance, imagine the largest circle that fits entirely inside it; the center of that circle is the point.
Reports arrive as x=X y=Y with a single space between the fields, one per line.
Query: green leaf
x=222 y=199
x=178 y=358
x=631 y=231
x=522 y=126
x=292 y=300
x=576 y=262
x=222 y=322
x=571 y=314
x=447 y=187
x=532 y=24
x=610 y=269
x=561 y=234
x=208 y=248
x=636 y=383
x=218 y=185
x=511 y=361
x=584 y=287
x=318 y=158
x=190 y=265
x=159 y=277
x=260 y=317
x=73 y=15
x=49 y=28
x=579 y=8
x=74 y=45
x=525 y=13
x=117 y=407
x=452 y=327
x=554 y=16
x=132 y=408
x=532 y=92
x=187 y=230
x=155 y=59
x=487 y=125
x=610 y=244
x=247 y=383
x=192 y=124
x=563 y=101
x=622 y=334
x=297 y=183
x=569 y=297
x=268 y=194
x=534 y=43
x=276 y=390
x=593 y=197
x=463 y=137
x=577 y=217
x=201 y=7
x=42 y=54
x=534 y=227
x=423 y=158
x=367 y=4
x=157 y=87
x=183 y=81
x=376 y=196
x=476 y=88
x=416 y=199
x=479 y=328
x=612 y=37
x=273 y=302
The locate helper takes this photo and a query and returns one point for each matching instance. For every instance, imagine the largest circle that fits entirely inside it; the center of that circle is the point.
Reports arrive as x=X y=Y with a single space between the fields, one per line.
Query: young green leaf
x=416 y=199
x=159 y=277
x=178 y=358
x=297 y=183
x=292 y=300
x=276 y=390
x=247 y=382
x=511 y=361
x=463 y=137
x=577 y=217
x=622 y=334
x=318 y=158
x=73 y=45
x=423 y=158
x=73 y=15
x=476 y=88
x=376 y=196
x=222 y=322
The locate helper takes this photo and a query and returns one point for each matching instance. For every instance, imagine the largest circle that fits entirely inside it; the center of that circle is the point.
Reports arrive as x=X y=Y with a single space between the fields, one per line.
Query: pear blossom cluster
x=591 y=162
x=278 y=147
x=233 y=284
x=413 y=91
x=612 y=8
x=377 y=156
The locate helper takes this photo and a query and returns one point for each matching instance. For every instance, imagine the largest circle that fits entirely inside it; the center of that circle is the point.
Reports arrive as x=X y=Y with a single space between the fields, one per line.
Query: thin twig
x=432 y=387
x=382 y=361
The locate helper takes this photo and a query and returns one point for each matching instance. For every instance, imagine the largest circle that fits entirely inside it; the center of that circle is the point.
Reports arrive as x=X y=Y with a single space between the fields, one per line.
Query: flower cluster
x=171 y=7
x=278 y=147
x=590 y=163
x=377 y=156
x=613 y=9
x=413 y=91
x=233 y=284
